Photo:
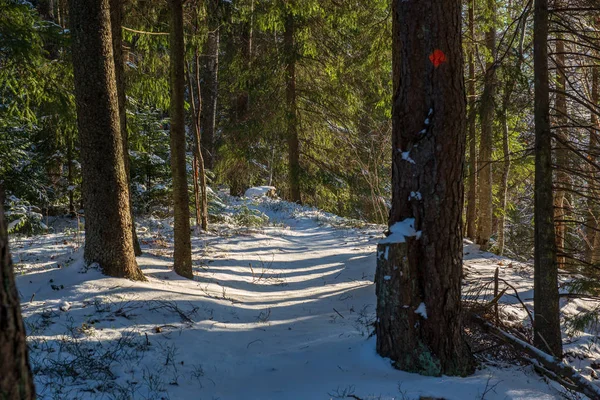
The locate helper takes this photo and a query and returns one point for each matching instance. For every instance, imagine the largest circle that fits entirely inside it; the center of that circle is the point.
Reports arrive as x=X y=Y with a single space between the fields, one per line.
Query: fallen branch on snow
x=557 y=370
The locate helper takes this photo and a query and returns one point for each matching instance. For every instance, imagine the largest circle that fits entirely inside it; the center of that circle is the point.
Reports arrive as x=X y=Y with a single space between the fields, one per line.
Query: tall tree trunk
x=116 y=20
x=196 y=178
x=504 y=183
x=547 y=334
x=292 y=110
x=238 y=183
x=506 y=99
x=59 y=16
x=561 y=176
x=592 y=254
x=484 y=224
x=200 y=187
x=210 y=77
x=16 y=381
x=419 y=266
x=199 y=169
x=108 y=225
x=70 y=177
x=62 y=13
x=45 y=10
x=183 y=250
x=472 y=171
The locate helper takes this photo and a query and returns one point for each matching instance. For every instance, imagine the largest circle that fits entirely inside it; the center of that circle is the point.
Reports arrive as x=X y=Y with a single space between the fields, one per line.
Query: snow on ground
x=581 y=349
x=260 y=191
x=280 y=311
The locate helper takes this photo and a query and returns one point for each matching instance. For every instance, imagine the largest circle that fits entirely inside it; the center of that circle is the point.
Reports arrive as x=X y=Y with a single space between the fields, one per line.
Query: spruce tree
x=108 y=225
x=182 y=256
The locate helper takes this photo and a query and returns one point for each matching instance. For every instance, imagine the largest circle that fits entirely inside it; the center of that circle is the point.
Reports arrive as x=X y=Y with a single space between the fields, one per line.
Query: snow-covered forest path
x=281 y=311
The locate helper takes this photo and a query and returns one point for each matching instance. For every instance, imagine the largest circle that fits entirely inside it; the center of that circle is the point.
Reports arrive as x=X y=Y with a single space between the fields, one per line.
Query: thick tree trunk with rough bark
x=116 y=20
x=484 y=223
x=16 y=381
x=183 y=249
x=547 y=334
x=472 y=171
x=108 y=225
x=292 y=111
x=418 y=279
x=210 y=78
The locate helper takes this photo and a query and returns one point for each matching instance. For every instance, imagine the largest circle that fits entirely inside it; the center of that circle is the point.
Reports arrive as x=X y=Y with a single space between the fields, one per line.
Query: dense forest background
x=342 y=85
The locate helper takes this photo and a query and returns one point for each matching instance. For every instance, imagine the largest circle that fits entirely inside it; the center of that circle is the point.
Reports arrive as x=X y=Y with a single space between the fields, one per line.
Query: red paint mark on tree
x=437 y=58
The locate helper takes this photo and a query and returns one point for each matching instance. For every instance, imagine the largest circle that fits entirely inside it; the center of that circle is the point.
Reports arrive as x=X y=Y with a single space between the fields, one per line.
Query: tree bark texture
x=16 y=381
x=108 y=225
x=547 y=334
x=116 y=20
x=182 y=255
x=429 y=121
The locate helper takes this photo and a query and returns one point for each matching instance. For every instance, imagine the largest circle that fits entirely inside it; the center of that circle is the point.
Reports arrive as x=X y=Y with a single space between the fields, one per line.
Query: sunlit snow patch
x=260 y=191
x=401 y=230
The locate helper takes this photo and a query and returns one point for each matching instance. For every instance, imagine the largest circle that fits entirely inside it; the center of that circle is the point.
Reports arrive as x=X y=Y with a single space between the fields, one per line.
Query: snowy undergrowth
x=279 y=308
x=581 y=347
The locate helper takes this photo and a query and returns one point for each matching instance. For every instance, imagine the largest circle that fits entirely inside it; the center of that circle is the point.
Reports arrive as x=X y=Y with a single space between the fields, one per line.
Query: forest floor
x=281 y=310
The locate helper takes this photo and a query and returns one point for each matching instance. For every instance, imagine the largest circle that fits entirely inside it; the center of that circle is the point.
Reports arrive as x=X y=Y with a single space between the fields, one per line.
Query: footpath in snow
x=278 y=311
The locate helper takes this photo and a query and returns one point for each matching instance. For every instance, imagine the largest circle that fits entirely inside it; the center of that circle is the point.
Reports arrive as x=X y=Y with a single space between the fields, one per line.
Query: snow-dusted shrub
x=24 y=218
x=250 y=218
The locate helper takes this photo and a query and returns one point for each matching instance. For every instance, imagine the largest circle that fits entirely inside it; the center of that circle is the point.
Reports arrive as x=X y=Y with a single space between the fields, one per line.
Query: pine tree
x=419 y=266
